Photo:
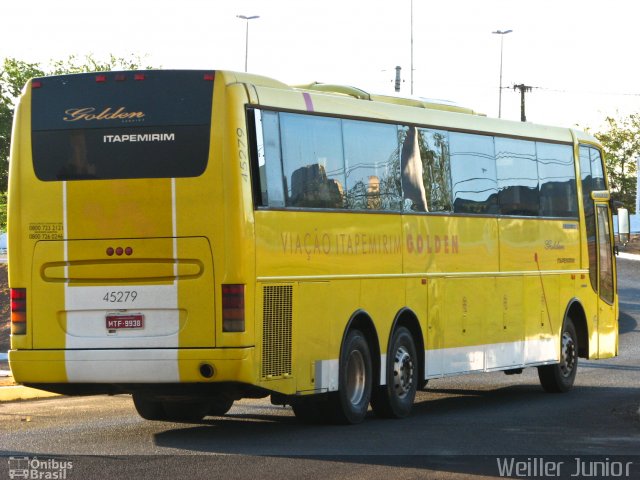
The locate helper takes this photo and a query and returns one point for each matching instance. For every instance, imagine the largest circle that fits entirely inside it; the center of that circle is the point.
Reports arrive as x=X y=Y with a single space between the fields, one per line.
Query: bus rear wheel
x=350 y=403
x=395 y=399
x=559 y=377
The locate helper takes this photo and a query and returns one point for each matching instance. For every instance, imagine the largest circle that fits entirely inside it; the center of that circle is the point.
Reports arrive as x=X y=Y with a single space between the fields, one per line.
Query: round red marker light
x=128 y=250
x=119 y=251
x=110 y=251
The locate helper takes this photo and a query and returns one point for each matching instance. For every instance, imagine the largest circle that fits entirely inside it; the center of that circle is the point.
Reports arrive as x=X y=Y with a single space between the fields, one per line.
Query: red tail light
x=233 y=308
x=18 y=311
x=139 y=76
x=36 y=84
x=101 y=78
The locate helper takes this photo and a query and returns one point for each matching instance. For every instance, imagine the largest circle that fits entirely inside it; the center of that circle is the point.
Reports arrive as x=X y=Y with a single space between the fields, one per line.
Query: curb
x=18 y=392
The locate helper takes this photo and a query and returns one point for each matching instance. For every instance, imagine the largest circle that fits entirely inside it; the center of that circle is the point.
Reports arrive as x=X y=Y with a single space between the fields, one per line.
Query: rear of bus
x=117 y=251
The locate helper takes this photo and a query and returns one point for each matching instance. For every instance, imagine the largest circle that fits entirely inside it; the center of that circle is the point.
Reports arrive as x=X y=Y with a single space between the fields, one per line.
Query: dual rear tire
x=356 y=385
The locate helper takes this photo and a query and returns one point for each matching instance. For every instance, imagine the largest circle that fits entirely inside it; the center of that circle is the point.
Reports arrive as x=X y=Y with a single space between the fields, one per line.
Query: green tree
x=621 y=142
x=15 y=73
x=13 y=76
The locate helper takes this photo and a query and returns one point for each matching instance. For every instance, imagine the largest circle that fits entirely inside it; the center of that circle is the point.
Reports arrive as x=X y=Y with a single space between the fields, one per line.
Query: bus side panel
x=462 y=304
x=508 y=324
x=541 y=249
x=309 y=248
x=470 y=302
x=541 y=341
x=313 y=333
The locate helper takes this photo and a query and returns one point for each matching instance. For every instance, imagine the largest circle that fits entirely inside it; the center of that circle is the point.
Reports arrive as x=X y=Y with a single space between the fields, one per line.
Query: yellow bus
x=198 y=237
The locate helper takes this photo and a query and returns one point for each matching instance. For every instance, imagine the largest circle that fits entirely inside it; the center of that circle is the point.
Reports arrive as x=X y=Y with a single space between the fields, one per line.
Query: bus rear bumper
x=135 y=366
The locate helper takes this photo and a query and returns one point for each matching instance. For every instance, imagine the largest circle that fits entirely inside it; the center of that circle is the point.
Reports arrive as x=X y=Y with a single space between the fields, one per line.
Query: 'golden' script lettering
x=89 y=114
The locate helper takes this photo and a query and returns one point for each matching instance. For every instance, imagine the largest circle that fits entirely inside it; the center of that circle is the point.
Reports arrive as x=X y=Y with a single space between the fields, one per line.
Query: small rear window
x=117 y=125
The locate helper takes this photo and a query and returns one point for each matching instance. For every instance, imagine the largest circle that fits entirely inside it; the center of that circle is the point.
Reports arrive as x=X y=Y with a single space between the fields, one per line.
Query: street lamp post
x=246 y=40
x=502 y=34
x=411 y=47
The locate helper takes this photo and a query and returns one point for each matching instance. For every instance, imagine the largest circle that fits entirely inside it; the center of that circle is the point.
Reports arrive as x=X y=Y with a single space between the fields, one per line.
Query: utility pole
x=523 y=89
x=397 y=82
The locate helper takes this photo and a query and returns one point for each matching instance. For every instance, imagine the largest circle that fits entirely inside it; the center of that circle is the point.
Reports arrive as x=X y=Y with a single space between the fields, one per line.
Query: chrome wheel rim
x=356 y=377
x=402 y=372
x=568 y=359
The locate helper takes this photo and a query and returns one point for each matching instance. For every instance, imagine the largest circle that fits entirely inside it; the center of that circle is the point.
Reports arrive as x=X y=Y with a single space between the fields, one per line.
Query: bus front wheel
x=559 y=377
x=395 y=399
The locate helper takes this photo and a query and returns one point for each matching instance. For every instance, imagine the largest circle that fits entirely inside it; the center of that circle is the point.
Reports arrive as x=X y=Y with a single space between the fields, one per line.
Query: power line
x=589 y=92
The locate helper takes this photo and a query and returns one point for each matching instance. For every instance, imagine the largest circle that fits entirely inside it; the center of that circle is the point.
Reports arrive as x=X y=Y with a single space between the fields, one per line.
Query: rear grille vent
x=276 y=331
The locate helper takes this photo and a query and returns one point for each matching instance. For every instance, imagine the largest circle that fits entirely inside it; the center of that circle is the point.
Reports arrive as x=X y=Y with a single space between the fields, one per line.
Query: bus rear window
x=117 y=125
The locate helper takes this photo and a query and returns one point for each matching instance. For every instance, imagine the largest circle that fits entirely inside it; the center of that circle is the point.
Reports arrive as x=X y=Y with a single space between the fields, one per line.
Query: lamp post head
x=251 y=17
x=501 y=32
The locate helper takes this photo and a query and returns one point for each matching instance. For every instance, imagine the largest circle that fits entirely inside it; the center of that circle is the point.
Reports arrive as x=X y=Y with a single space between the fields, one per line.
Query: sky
x=579 y=55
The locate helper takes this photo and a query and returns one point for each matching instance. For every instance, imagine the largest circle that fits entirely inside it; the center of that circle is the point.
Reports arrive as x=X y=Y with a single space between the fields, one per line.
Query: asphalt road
x=459 y=426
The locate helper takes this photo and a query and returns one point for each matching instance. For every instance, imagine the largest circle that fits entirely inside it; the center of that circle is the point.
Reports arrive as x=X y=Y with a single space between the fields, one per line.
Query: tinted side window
x=272 y=178
x=313 y=161
x=517 y=170
x=371 y=159
x=592 y=177
x=436 y=169
x=557 y=180
x=597 y=170
x=473 y=174
x=591 y=170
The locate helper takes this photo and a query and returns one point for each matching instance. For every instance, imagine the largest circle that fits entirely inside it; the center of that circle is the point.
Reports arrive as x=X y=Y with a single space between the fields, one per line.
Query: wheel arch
x=575 y=311
x=361 y=320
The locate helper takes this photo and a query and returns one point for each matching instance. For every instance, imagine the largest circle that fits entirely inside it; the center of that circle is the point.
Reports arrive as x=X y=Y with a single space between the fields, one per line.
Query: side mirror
x=624 y=230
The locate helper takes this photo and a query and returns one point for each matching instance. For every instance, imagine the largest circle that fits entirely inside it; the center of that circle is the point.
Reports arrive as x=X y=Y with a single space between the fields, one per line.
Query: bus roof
x=339 y=99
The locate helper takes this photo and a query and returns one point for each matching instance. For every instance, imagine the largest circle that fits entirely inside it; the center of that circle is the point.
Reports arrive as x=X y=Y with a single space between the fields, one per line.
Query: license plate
x=119 y=321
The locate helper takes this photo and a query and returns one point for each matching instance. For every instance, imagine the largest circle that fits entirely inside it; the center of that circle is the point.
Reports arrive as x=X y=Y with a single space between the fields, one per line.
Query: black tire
x=350 y=403
x=220 y=405
x=395 y=399
x=148 y=408
x=559 y=378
